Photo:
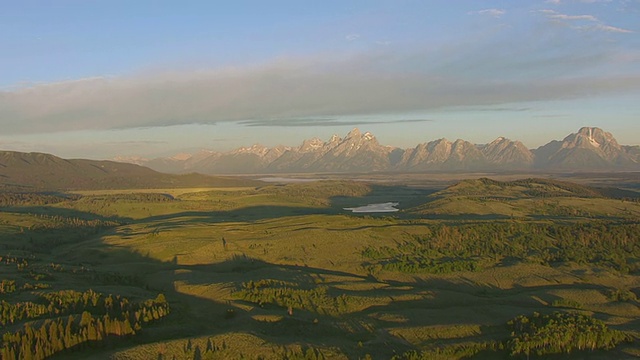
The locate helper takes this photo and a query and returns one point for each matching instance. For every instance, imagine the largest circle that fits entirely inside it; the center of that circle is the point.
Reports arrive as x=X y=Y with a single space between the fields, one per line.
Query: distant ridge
x=525 y=188
x=590 y=149
x=537 y=197
x=37 y=171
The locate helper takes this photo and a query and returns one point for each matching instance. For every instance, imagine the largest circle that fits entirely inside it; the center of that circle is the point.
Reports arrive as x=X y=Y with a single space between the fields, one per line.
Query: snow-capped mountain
x=588 y=149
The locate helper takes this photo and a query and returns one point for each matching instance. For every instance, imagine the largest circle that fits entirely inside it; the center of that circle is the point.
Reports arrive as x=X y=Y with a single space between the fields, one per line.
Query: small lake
x=286 y=180
x=375 y=208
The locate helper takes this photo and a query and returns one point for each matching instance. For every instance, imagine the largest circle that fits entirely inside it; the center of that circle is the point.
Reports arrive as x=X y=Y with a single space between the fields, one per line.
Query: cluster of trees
x=7 y=286
x=11 y=313
x=19 y=261
x=309 y=353
x=191 y=351
x=621 y=295
x=69 y=302
x=101 y=317
x=36 y=286
x=560 y=333
x=455 y=351
x=556 y=333
x=31 y=199
x=290 y=295
x=319 y=193
x=37 y=275
x=567 y=303
x=101 y=277
x=133 y=197
x=198 y=351
x=47 y=231
x=59 y=222
x=533 y=187
x=443 y=248
x=413 y=264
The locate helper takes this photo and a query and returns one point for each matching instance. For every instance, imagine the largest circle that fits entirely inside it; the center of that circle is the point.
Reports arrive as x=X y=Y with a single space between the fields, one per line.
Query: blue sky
x=98 y=79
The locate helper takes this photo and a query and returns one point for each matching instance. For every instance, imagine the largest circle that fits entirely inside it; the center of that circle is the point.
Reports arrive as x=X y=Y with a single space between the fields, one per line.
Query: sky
x=101 y=79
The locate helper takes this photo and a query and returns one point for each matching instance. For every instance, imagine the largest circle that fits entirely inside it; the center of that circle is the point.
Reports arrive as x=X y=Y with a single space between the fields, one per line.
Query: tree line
x=561 y=333
x=33 y=198
x=538 y=335
x=292 y=296
x=442 y=248
x=100 y=317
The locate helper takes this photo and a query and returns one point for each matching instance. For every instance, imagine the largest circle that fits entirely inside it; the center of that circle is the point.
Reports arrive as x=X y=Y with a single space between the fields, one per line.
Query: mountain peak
x=311 y=144
x=591 y=136
x=368 y=136
x=590 y=131
x=354 y=133
x=334 y=138
x=588 y=148
x=256 y=149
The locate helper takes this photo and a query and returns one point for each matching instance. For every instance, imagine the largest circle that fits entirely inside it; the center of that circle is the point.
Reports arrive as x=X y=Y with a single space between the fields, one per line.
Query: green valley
x=479 y=269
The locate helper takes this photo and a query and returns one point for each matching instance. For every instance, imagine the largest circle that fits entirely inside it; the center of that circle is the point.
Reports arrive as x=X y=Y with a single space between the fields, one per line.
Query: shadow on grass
x=365 y=328
x=430 y=305
x=407 y=196
x=194 y=316
x=53 y=211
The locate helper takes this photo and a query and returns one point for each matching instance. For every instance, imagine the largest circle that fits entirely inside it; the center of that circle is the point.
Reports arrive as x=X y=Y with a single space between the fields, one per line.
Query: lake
x=375 y=208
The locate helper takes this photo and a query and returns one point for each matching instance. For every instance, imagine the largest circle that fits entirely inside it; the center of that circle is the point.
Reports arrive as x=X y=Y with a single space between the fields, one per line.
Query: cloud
x=322 y=122
x=551 y=116
x=558 y=2
x=137 y=142
x=490 y=12
x=318 y=90
x=612 y=29
x=573 y=17
x=498 y=109
x=568 y=19
x=352 y=37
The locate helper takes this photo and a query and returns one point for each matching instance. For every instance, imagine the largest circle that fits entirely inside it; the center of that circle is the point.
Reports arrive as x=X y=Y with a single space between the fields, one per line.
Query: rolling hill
x=37 y=171
x=534 y=198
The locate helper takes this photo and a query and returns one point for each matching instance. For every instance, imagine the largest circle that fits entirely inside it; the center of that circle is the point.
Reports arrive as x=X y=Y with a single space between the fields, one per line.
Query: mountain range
x=589 y=149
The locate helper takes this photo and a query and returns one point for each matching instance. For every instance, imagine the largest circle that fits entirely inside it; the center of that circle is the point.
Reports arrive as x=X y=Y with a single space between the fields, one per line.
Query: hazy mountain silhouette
x=38 y=171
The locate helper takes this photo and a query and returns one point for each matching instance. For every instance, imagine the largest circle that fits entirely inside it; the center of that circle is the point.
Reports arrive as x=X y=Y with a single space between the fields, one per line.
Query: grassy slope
x=44 y=172
x=299 y=234
x=531 y=198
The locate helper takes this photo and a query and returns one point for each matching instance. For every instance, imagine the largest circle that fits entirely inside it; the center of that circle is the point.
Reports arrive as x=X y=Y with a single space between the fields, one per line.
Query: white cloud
x=612 y=29
x=573 y=17
x=490 y=12
x=568 y=19
x=382 y=80
x=558 y=2
x=352 y=37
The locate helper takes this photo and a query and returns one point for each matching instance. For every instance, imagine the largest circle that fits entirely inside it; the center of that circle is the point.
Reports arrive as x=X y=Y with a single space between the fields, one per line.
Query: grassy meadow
x=283 y=272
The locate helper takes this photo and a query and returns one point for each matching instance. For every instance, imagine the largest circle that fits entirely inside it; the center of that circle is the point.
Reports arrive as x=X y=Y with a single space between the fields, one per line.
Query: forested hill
x=532 y=198
x=531 y=188
x=38 y=171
